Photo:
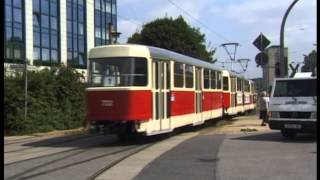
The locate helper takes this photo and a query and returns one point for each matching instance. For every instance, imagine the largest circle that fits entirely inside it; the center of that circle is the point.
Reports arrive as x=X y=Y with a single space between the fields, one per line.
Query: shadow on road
x=276 y=136
x=91 y=140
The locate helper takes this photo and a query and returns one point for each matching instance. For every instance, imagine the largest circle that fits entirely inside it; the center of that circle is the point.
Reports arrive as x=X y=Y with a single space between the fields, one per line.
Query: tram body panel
x=134 y=105
x=182 y=102
x=226 y=100
x=211 y=100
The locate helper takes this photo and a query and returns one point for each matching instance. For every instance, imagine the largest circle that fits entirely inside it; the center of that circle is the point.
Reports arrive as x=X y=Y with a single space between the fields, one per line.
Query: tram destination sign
x=261 y=42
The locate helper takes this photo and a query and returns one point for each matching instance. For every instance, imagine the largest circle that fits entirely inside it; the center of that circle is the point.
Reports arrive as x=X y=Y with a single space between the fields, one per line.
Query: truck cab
x=293 y=105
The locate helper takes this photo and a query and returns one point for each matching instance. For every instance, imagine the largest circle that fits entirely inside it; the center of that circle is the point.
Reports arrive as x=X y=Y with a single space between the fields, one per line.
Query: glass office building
x=50 y=32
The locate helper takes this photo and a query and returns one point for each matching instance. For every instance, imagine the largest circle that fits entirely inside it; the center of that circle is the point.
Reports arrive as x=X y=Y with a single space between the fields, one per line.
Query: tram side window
x=225 y=83
x=238 y=84
x=247 y=87
x=178 y=75
x=233 y=84
x=213 y=80
x=206 y=79
x=168 y=75
x=244 y=86
x=189 y=76
x=219 y=80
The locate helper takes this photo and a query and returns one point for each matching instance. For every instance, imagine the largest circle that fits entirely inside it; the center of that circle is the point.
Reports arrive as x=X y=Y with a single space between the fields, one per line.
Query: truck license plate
x=292 y=126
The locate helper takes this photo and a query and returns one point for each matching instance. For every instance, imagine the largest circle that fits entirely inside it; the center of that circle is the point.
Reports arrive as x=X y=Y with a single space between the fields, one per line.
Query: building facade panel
x=63 y=32
x=29 y=31
x=38 y=30
x=14 y=31
x=271 y=70
x=90 y=25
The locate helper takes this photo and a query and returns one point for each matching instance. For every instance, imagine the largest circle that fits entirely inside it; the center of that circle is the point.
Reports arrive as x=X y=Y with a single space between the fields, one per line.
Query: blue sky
x=223 y=21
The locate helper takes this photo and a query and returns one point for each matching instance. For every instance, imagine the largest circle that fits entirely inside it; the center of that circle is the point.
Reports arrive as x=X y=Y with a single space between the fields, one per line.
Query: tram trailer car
x=148 y=90
x=238 y=94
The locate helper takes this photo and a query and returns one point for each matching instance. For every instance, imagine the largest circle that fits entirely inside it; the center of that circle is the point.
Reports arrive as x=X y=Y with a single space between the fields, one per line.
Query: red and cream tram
x=148 y=90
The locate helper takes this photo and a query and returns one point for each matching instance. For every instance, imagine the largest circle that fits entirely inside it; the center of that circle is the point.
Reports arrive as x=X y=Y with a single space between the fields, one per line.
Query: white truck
x=293 y=105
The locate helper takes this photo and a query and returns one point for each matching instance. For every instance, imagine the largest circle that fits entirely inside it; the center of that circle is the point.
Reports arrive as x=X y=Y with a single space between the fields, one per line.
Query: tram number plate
x=292 y=126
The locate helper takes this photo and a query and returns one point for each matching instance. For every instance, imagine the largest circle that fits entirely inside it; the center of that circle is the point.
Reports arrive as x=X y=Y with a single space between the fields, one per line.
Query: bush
x=56 y=101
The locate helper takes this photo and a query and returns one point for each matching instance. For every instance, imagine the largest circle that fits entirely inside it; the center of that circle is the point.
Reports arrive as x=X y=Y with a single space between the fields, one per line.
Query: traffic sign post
x=261 y=59
x=261 y=42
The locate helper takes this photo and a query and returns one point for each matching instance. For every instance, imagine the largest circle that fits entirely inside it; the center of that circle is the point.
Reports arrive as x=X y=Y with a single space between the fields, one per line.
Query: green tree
x=310 y=62
x=175 y=35
x=56 y=101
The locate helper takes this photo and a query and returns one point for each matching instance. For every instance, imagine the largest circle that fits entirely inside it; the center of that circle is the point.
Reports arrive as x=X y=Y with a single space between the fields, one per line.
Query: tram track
x=21 y=140
x=36 y=137
x=114 y=163
x=21 y=175
x=87 y=162
x=40 y=152
x=48 y=144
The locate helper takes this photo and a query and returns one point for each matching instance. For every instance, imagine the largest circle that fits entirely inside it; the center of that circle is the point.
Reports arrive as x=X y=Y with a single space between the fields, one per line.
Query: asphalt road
x=238 y=149
x=246 y=156
x=71 y=157
x=267 y=156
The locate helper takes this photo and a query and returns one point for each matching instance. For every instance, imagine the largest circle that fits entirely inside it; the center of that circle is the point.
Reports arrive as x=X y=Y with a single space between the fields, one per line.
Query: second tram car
x=148 y=90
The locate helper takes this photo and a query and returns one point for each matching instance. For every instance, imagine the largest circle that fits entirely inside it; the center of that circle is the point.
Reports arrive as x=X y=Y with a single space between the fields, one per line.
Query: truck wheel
x=288 y=134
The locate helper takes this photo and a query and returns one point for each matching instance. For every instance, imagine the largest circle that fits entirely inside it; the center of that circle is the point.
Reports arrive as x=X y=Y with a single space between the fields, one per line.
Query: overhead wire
x=199 y=22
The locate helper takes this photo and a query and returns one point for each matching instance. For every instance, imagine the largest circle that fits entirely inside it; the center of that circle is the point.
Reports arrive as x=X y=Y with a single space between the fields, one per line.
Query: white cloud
x=127 y=28
x=253 y=11
x=237 y=20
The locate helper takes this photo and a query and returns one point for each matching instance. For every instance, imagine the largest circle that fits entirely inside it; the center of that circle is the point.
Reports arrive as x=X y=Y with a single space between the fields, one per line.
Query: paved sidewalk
x=240 y=124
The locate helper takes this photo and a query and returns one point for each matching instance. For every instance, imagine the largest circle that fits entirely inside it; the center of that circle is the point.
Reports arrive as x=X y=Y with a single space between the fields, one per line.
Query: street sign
x=294 y=69
x=261 y=42
x=261 y=59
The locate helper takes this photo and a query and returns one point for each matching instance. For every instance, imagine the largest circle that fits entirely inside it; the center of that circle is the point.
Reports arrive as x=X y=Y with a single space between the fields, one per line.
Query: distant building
x=49 y=32
x=258 y=84
x=272 y=68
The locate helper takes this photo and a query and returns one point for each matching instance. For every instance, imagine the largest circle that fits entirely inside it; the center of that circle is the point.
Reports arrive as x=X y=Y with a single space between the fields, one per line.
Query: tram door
x=198 y=98
x=161 y=79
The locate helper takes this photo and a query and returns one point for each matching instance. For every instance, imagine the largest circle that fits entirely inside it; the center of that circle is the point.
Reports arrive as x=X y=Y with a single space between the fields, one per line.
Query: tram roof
x=155 y=52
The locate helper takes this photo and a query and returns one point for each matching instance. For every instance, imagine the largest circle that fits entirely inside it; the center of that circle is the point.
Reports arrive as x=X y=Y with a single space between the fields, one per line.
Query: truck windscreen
x=295 y=88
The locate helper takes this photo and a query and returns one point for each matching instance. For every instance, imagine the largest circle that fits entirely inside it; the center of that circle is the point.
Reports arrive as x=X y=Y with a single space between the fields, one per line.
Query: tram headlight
x=313 y=115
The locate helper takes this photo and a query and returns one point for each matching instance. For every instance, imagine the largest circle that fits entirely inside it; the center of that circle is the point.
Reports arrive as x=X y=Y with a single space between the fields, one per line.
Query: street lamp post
x=284 y=69
x=112 y=34
x=25 y=89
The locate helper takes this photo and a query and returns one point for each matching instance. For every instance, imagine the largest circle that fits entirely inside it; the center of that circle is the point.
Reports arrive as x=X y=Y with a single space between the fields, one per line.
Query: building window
x=76 y=33
x=104 y=14
x=14 y=31
x=45 y=32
